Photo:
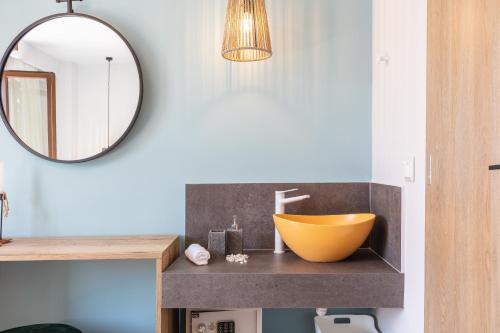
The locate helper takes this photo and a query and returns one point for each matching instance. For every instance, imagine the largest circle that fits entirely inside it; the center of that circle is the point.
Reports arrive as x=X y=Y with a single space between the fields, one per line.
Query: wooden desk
x=162 y=249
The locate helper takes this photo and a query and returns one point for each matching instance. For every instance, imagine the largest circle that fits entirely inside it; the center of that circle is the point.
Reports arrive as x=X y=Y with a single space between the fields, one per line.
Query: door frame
x=51 y=102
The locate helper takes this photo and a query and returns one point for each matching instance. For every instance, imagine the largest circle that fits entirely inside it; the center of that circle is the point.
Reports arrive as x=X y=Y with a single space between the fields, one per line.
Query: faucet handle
x=292 y=190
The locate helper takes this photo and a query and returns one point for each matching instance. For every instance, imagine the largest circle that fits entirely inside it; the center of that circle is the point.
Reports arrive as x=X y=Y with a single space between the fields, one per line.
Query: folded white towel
x=197 y=254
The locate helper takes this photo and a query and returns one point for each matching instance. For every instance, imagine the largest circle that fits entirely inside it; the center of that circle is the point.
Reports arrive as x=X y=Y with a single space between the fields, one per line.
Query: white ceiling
x=79 y=40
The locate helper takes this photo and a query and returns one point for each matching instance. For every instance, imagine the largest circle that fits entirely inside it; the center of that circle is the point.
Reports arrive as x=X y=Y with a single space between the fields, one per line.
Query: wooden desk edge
x=86 y=248
x=166 y=319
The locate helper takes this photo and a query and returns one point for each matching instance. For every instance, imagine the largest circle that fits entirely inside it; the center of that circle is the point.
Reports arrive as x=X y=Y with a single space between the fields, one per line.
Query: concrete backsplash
x=211 y=206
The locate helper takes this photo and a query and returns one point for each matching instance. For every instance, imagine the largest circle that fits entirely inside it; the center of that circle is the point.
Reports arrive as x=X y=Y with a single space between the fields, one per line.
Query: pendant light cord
x=109 y=59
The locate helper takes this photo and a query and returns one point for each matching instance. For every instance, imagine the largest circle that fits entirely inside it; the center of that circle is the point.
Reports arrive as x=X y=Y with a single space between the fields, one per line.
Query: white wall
x=35 y=58
x=66 y=109
x=399 y=132
x=92 y=109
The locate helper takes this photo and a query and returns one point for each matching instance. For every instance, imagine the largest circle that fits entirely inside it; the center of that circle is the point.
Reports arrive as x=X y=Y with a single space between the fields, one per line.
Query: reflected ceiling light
x=246 y=33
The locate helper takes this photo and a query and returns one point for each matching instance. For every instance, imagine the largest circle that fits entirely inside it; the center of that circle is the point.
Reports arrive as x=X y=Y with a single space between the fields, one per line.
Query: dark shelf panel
x=284 y=281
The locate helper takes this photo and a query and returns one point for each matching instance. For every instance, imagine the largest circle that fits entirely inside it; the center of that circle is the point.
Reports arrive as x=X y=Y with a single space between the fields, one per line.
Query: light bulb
x=247 y=23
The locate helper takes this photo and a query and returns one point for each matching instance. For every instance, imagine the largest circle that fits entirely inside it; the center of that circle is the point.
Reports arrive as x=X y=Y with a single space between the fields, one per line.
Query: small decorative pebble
x=237 y=258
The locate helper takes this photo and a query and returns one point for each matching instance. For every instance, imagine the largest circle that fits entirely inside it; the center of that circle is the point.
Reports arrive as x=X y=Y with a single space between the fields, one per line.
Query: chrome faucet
x=280 y=203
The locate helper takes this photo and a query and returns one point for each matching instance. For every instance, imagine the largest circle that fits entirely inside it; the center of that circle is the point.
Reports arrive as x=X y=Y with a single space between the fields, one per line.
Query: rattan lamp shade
x=246 y=33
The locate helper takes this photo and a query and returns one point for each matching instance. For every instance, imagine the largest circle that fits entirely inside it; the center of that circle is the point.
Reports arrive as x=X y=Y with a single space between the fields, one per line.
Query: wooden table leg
x=166 y=319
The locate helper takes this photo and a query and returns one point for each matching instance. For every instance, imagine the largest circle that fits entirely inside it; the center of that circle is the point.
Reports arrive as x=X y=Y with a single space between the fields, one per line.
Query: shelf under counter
x=284 y=281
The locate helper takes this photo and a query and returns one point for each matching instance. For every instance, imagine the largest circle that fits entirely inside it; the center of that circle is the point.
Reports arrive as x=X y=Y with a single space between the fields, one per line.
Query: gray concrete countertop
x=284 y=281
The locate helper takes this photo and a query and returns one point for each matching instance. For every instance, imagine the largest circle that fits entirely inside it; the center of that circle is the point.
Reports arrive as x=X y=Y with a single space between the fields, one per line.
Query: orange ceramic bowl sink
x=326 y=238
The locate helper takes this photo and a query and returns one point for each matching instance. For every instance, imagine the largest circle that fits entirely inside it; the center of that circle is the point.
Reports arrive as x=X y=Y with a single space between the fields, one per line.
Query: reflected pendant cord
x=109 y=59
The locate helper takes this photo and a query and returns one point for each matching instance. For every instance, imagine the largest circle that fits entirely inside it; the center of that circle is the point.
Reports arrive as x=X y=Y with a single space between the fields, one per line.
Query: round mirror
x=71 y=88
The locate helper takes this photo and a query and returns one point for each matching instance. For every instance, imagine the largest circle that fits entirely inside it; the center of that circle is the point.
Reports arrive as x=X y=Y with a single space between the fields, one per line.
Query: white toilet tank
x=346 y=324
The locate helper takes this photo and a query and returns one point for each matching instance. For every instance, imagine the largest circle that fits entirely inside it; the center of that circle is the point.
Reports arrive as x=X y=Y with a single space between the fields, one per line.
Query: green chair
x=45 y=328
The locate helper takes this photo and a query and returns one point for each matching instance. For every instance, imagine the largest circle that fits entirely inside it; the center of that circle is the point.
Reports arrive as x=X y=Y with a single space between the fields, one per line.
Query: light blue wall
x=304 y=115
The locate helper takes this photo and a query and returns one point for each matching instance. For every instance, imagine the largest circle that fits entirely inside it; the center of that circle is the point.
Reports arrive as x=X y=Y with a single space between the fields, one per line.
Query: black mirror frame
x=139 y=70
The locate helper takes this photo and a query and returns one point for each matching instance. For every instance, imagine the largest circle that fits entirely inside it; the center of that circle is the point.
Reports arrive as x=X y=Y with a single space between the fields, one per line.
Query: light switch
x=409 y=170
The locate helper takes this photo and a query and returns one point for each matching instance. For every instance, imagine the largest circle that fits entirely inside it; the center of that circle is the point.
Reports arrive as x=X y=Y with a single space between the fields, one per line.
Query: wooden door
x=494 y=16
x=462 y=230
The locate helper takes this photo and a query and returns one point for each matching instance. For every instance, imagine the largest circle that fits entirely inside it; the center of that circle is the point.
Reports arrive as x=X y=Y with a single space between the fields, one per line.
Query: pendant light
x=246 y=33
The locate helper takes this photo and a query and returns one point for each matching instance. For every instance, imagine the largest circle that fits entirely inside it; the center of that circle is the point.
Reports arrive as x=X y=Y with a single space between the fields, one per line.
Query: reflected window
x=30 y=106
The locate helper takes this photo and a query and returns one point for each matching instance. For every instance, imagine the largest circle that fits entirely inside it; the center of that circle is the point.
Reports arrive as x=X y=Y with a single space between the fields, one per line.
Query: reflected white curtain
x=28 y=114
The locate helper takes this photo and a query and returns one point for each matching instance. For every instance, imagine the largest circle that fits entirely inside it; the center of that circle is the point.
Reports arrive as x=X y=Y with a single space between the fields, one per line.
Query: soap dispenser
x=234 y=238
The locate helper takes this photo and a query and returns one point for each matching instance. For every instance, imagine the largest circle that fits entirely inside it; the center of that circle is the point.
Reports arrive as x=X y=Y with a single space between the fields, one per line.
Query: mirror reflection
x=70 y=88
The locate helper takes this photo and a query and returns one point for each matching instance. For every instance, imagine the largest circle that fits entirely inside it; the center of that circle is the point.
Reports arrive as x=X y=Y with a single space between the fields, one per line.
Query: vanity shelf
x=284 y=281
